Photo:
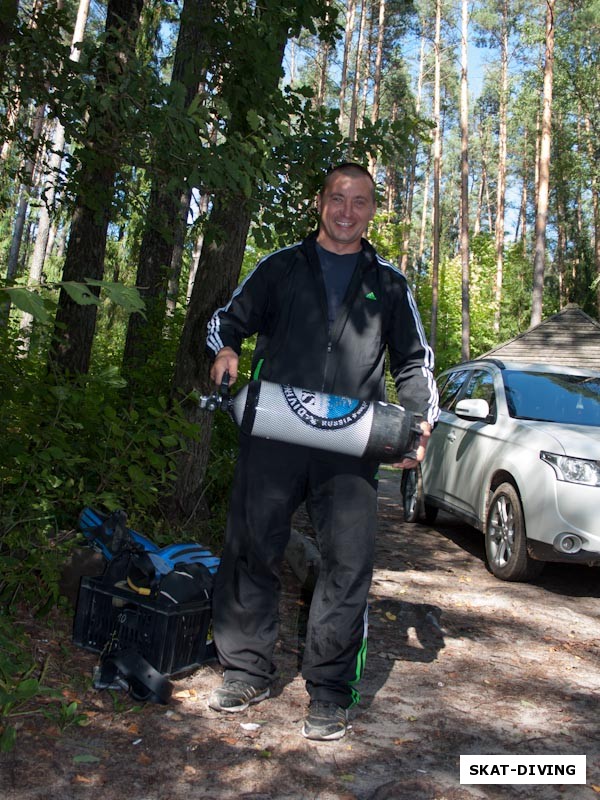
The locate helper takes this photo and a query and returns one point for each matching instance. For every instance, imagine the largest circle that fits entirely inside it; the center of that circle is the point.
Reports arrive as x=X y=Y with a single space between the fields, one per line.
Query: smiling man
x=346 y=206
x=326 y=312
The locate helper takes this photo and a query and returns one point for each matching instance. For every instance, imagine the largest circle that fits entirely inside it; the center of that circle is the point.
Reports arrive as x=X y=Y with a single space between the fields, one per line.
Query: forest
x=153 y=150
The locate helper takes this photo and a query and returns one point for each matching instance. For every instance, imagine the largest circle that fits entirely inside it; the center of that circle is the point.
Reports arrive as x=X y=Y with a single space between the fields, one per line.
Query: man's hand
x=410 y=463
x=225 y=361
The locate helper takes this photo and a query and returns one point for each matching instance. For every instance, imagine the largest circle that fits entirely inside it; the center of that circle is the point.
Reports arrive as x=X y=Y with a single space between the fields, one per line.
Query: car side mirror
x=472 y=409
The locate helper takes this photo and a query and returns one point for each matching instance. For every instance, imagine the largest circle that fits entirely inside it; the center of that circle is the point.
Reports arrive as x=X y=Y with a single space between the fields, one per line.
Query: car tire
x=506 y=539
x=411 y=488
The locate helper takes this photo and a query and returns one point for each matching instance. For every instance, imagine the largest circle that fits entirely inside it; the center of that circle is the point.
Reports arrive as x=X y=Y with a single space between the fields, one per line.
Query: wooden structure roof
x=570 y=338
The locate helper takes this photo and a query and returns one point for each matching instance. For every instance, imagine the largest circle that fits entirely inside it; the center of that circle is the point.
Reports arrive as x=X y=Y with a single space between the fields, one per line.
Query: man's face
x=346 y=207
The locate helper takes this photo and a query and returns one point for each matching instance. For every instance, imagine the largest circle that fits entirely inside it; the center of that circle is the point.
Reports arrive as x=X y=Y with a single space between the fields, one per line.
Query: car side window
x=481 y=387
x=451 y=389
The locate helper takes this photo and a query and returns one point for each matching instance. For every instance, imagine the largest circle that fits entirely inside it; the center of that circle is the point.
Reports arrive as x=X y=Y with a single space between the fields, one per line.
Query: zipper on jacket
x=326 y=370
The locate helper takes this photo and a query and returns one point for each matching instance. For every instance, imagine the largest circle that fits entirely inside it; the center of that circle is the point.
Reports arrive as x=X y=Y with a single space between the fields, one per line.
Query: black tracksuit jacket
x=284 y=300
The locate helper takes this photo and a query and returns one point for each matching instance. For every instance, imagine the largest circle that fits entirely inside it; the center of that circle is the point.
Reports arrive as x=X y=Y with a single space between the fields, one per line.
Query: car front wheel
x=505 y=538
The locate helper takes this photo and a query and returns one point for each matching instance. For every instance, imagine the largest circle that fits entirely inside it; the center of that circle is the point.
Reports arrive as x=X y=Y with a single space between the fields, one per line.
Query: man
x=325 y=311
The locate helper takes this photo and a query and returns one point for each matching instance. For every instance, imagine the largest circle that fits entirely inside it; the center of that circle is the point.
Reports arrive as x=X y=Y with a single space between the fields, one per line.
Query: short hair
x=353 y=169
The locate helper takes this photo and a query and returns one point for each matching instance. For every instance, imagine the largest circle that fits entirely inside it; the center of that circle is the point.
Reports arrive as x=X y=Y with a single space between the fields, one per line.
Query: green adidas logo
x=371 y=296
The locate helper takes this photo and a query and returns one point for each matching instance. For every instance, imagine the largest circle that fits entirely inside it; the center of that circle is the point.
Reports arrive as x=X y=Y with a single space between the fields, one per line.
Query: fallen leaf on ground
x=82 y=779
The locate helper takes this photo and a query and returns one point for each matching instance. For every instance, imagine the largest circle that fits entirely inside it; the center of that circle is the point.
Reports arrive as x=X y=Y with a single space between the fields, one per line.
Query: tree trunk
x=501 y=184
x=377 y=76
x=14 y=109
x=561 y=246
x=217 y=276
x=464 y=186
x=541 y=216
x=75 y=324
x=203 y=206
x=437 y=175
x=177 y=255
x=477 y=221
x=424 y=213
x=163 y=218
x=596 y=208
x=350 y=20
x=521 y=228
x=51 y=177
x=322 y=70
x=365 y=73
x=352 y=125
x=378 y=63
x=410 y=193
x=25 y=189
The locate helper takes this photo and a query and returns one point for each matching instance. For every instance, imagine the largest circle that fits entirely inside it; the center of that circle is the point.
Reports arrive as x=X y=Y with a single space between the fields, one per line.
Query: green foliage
x=68 y=445
x=448 y=350
x=41 y=307
x=481 y=290
x=23 y=689
x=516 y=300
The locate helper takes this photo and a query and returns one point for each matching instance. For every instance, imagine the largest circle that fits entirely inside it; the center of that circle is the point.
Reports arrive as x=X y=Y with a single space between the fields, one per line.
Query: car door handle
x=451 y=436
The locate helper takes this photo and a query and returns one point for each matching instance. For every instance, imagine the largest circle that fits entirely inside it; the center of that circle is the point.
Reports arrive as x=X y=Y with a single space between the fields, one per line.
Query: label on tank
x=324 y=411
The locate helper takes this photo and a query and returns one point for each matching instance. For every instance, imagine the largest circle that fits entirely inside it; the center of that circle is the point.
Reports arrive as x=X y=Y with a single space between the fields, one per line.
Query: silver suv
x=516 y=454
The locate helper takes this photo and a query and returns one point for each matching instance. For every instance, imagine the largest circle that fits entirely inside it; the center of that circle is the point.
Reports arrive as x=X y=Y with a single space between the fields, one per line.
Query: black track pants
x=271 y=480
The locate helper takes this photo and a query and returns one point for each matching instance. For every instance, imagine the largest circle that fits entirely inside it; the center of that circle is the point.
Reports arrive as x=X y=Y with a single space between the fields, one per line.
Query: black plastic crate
x=172 y=637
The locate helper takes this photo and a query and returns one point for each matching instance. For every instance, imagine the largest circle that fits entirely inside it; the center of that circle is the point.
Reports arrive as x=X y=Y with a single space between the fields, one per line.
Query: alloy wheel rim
x=502 y=531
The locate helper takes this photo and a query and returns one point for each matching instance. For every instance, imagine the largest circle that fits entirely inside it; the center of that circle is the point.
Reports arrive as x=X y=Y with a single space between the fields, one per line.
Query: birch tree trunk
x=541 y=216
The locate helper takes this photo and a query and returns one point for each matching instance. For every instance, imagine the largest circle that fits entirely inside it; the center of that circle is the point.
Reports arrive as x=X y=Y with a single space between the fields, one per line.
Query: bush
x=65 y=446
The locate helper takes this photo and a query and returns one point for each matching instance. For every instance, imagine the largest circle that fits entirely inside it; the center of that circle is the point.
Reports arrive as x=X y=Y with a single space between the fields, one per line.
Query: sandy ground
x=459 y=663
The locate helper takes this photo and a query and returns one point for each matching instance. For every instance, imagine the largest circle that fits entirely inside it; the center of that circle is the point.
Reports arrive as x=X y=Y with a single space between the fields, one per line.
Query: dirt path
x=459 y=663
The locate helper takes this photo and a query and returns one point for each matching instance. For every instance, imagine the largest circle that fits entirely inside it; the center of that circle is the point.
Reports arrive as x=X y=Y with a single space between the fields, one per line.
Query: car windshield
x=570 y=399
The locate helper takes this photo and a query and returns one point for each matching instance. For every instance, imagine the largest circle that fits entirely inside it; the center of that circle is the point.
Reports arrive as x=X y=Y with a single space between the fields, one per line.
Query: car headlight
x=573 y=470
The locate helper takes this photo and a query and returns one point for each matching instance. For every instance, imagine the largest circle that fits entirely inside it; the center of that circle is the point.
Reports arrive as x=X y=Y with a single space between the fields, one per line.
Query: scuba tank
x=375 y=430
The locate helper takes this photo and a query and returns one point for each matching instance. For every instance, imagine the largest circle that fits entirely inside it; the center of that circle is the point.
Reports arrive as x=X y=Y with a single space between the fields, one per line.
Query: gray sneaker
x=236 y=696
x=325 y=721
